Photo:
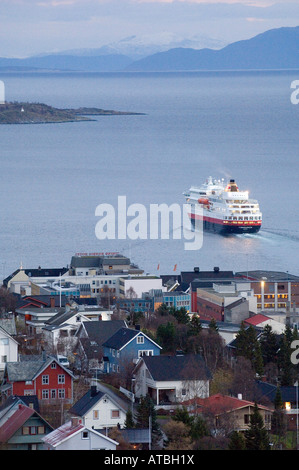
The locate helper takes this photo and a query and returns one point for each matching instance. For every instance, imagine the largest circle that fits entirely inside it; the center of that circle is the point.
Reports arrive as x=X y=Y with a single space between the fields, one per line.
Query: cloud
x=34 y=26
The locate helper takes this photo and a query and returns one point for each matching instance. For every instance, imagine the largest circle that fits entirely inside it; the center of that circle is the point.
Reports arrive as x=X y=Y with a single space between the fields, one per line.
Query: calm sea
x=227 y=125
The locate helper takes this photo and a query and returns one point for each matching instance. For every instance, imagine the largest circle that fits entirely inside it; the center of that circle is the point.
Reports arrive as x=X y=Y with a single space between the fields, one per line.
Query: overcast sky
x=30 y=27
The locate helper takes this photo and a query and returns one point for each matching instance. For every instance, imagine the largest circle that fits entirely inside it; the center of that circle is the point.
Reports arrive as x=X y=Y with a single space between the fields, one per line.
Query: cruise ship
x=223 y=208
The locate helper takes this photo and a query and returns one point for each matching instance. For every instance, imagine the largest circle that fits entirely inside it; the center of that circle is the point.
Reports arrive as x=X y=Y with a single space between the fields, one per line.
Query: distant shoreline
x=40 y=113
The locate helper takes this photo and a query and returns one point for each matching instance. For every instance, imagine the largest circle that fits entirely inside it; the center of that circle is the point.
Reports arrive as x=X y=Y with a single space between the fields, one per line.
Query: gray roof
x=85 y=403
x=121 y=338
x=28 y=369
x=61 y=317
x=136 y=435
x=97 y=333
x=270 y=276
x=184 y=367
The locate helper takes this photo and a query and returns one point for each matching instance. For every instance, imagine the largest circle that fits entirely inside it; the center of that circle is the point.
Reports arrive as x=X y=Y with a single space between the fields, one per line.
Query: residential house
x=100 y=409
x=91 y=336
x=228 y=413
x=44 y=377
x=21 y=278
x=266 y=394
x=8 y=349
x=75 y=436
x=21 y=427
x=61 y=329
x=260 y=321
x=125 y=347
x=170 y=380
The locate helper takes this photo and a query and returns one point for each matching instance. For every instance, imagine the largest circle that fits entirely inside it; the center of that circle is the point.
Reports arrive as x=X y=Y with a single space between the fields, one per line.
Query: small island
x=40 y=113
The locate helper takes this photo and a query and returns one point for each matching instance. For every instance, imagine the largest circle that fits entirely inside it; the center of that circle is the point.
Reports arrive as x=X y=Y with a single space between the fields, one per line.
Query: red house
x=45 y=377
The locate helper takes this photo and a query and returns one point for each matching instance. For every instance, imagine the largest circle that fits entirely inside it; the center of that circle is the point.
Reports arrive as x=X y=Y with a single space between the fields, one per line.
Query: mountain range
x=273 y=49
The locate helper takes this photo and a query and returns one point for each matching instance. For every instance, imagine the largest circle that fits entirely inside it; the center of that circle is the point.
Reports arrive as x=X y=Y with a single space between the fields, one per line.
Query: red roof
x=218 y=404
x=256 y=319
x=14 y=422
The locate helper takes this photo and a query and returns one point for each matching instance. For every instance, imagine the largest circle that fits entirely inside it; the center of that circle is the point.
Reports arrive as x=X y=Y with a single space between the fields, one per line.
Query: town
x=100 y=355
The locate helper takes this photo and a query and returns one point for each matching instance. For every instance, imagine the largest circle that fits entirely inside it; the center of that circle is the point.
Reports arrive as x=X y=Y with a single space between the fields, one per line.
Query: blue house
x=125 y=347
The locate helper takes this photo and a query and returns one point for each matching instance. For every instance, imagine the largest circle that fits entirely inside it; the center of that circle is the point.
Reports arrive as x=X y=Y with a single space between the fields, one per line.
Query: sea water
x=239 y=125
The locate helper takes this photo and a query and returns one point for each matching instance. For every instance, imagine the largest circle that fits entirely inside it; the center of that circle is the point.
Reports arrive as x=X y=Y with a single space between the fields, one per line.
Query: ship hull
x=218 y=226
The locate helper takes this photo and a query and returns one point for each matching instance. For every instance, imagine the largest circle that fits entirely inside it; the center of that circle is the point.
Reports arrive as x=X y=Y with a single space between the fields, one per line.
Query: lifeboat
x=204 y=201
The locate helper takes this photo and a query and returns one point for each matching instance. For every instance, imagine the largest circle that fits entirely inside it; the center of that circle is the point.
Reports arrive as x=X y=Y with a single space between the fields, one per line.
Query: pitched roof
x=185 y=367
x=15 y=421
x=219 y=404
x=100 y=331
x=87 y=402
x=68 y=430
x=122 y=337
x=29 y=370
x=97 y=333
x=257 y=319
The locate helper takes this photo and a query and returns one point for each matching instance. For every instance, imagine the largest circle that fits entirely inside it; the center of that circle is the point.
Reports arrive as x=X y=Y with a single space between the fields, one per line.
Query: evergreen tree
x=247 y=345
x=145 y=410
x=278 y=423
x=166 y=336
x=129 y=422
x=237 y=441
x=269 y=345
x=256 y=436
x=195 y=325
x=287 y=369
x=213 y=325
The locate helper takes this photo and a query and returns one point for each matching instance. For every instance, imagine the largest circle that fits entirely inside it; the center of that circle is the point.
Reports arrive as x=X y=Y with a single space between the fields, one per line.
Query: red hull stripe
x=225 y=223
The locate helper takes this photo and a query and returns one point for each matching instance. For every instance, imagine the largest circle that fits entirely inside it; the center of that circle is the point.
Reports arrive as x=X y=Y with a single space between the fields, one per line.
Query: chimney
x=196 y=270
x=240 y=396
x=75 y=421
x=52 y=302
x=137 y=327
x=216 y=269
x=100 y=317
x=93 y=390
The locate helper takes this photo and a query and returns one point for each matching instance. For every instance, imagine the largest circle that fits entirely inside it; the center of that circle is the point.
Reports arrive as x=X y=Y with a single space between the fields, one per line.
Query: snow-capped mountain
x=138 y=47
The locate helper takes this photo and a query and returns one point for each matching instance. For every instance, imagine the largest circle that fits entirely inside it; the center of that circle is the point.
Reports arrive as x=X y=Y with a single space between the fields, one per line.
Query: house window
x=53 y=394
x=3 y=359
x=95 y=414
x=53 y=365
x=45 y=394
x=85 y=435
x=246 y=419
x=61 y=378
x=115 y=414
x=61 y=393
x=41 y=430
x=140 y=339
x=45 y=379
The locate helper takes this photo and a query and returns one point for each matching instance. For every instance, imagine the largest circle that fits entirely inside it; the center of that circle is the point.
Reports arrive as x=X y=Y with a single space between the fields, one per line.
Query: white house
x=8 y=349
x=170 y=380
x=100 y=410
x=75 y=436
